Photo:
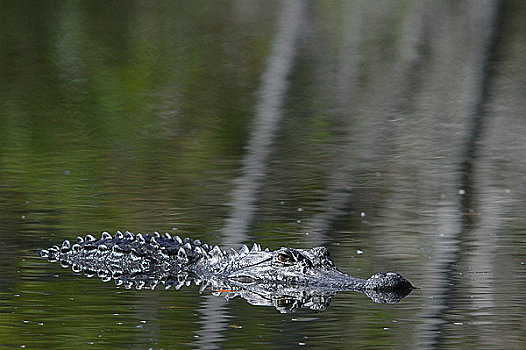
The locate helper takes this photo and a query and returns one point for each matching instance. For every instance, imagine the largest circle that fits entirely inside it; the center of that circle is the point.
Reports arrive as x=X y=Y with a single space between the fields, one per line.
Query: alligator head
x=290 y=266
x=312 y=267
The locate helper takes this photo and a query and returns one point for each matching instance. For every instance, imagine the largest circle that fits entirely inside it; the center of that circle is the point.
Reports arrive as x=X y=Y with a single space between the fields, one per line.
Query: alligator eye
x=285 y=258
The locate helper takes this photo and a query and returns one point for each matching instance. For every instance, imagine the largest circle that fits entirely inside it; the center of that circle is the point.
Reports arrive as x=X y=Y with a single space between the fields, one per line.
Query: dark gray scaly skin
x=286 y=278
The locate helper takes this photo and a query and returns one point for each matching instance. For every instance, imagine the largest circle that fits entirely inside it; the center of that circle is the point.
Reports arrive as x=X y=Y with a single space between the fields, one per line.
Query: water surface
x=391 y=132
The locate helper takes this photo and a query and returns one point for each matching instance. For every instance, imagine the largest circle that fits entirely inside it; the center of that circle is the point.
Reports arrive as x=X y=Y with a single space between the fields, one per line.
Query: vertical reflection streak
x=432 y=332
x=268 y=114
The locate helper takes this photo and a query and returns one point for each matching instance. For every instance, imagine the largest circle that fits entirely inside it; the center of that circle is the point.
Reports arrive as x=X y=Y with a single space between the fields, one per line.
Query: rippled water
x=390 y=132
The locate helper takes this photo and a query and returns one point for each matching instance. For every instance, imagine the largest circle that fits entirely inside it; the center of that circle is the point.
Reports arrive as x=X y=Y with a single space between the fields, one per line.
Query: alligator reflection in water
x=287 y=278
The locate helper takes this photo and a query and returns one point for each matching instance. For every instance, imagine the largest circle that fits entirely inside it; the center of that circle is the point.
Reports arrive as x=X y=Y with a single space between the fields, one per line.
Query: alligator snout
x=390 y=281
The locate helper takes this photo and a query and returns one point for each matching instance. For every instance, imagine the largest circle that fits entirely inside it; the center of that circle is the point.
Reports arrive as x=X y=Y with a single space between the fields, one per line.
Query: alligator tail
x=127 y=254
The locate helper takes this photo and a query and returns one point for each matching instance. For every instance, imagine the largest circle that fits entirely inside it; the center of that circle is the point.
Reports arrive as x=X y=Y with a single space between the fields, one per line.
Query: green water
x=397 y=143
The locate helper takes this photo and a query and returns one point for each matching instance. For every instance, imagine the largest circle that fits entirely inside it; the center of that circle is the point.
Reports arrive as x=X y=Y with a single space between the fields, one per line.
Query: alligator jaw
x=288 y=266
x=328 y=279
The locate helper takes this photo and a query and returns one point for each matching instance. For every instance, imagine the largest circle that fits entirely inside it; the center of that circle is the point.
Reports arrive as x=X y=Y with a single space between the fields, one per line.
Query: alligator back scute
x=127 y=254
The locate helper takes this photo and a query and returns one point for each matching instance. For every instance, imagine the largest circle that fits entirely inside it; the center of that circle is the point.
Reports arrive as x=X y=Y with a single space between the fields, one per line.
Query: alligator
x=286 y=278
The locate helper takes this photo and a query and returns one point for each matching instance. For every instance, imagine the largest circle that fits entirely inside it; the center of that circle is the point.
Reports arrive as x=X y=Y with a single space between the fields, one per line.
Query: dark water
x=391 y=132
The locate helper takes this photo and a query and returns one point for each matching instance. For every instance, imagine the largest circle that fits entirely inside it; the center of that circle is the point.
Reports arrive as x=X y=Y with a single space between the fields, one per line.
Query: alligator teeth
x=255 y=248
x=76 y=268
x=106 y=235
x=129 y=235
x=106 y=279
x=90 y=238
x=156 y=234
x=167 y=235
x=197 y=242
x=76 y=248
x=154 y=241
x=64 y=264
x=119 y=235
x=244 y=250
x=187 y=246
x=178 y=240
x=80 y=239
x=186 y=240
x=44 y=253
x=206 y=247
